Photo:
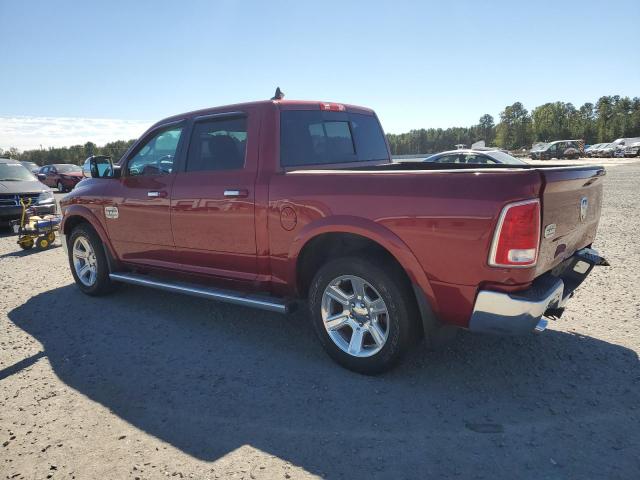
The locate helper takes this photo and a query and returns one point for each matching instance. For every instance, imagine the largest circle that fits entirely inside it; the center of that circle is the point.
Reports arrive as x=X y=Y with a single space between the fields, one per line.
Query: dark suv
x=16 y=183
x=571 y=149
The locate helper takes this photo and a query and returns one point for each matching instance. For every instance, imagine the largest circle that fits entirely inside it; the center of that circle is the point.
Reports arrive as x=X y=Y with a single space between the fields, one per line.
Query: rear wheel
x=88 y=261
x=362 y=314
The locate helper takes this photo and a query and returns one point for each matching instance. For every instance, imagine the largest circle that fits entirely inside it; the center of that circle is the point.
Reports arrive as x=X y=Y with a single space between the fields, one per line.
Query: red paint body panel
x=438 y=224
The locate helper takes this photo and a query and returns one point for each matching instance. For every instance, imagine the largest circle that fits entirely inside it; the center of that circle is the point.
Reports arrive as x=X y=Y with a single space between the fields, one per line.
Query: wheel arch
x=75 y=215
x=318 y=241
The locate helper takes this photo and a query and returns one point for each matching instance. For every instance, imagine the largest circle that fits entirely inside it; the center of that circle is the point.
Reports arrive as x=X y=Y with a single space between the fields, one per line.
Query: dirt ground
x=144 y=384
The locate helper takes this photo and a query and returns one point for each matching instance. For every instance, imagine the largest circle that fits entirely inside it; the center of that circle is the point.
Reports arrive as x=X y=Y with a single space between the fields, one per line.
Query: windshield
x=68 y=167
x=539 y=146
x=502 y=157
x=14 y=172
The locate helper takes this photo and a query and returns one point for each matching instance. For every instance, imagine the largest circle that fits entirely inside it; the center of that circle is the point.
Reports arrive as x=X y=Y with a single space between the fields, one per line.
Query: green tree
x=487 y=128
x=514 y=129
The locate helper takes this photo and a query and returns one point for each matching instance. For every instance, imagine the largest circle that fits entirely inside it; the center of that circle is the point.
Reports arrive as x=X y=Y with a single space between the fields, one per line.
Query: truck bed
x=446 y=213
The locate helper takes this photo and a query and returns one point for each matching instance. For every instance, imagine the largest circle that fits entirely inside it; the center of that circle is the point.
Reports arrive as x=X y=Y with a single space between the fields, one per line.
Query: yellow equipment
x=35 y=230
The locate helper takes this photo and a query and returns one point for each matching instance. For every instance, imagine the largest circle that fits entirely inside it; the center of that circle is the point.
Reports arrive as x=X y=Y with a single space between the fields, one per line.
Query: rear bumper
x=523 y=312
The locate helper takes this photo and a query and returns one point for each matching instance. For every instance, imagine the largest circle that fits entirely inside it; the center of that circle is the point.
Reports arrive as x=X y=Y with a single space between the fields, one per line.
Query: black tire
x=43 y=243
x=27 y=244
x=396 y=292
x=102 y=284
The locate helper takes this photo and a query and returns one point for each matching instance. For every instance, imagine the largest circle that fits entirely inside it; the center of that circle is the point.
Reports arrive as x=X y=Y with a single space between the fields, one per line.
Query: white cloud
x=27 y=133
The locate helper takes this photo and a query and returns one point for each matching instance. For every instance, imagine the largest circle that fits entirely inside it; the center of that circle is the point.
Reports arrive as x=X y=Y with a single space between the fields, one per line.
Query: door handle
x=156 y=194
x=236 y=193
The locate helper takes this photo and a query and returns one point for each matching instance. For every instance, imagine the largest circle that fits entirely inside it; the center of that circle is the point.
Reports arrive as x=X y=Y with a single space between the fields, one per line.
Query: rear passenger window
x=313 y=137
x=218 y=145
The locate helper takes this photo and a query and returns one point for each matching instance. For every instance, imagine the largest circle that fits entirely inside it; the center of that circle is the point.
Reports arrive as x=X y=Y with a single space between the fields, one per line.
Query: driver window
x=157 y=155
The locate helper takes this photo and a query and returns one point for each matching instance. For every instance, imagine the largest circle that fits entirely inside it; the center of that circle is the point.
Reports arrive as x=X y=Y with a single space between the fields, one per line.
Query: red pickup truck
x=272 y=203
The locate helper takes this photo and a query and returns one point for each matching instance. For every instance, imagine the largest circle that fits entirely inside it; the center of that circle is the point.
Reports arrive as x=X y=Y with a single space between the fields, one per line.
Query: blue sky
x=418 y=64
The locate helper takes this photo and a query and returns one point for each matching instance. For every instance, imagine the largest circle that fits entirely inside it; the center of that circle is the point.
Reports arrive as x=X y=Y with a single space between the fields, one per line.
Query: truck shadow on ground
x=19 y=252
x=208 y=378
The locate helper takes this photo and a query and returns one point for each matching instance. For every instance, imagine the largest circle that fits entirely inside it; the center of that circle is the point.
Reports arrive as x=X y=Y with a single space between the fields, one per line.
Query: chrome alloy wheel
x=355 y=316
x=84 y=261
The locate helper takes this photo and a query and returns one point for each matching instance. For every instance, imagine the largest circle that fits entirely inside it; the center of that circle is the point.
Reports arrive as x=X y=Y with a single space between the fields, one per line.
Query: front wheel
x=362 y=314
x=60 y=187
x=88 y=261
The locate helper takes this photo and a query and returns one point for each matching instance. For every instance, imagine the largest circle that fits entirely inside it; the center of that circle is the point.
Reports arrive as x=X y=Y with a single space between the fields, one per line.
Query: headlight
x=46 y=197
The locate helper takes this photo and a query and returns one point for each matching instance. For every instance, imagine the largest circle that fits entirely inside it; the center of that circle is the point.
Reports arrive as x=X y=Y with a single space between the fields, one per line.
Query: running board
x=228 y=296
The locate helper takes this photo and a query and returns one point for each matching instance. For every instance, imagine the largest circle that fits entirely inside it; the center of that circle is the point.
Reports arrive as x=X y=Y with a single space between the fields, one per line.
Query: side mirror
x=41 y=176
x=101 y=166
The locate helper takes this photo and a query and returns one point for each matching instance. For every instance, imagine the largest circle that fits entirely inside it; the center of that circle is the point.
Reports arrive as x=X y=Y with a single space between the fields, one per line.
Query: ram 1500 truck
x=276 y=203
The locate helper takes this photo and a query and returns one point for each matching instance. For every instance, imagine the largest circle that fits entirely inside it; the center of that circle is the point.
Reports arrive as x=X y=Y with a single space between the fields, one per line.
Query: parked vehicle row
x=278 y=203
x=63 y=176
x=621 y=147
x=573 y=149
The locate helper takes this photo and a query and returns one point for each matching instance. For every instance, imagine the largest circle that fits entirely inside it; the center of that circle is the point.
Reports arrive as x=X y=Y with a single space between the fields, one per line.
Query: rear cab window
x=318 y=137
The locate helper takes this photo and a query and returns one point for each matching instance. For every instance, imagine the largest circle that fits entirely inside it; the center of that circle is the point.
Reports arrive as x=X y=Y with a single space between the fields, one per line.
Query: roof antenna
x=279 y=94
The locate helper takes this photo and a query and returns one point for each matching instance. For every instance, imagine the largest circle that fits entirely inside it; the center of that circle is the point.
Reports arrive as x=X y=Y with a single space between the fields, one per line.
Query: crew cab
x=277 y=204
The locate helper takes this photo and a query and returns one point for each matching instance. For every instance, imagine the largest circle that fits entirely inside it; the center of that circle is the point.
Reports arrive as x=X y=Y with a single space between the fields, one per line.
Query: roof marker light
x=333 y=107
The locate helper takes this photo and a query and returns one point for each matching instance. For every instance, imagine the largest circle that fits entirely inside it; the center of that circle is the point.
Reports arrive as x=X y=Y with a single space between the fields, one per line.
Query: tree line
x=609 y=118
x=75 y=154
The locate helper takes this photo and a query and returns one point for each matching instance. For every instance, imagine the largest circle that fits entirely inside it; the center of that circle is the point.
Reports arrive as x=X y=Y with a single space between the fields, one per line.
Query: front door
x=52 y=176
x=140 y=224
x=213 y=200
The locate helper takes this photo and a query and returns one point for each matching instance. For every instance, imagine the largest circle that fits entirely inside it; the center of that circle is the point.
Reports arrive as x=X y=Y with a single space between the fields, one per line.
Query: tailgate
x=571 y=203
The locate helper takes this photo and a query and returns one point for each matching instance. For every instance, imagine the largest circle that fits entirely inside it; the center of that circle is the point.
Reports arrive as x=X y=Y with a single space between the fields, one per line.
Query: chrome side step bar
x=228 y=296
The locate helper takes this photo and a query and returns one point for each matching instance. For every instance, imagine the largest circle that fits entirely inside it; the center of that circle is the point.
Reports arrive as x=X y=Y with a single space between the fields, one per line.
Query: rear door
x=140 y=225
x=571 y=205
x=213 y=199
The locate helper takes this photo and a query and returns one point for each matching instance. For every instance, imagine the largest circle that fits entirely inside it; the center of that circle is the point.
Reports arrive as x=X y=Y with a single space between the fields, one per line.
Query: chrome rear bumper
x=522 y=312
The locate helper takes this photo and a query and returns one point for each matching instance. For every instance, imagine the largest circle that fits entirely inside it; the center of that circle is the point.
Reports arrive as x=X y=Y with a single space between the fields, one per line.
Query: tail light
x=517 y=236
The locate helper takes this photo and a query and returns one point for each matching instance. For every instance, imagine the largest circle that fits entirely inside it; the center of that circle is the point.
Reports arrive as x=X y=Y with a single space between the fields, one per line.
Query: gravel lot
x=144 y=384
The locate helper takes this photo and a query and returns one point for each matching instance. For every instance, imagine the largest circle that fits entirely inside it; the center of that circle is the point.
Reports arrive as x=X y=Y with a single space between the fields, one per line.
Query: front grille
x=13 y=200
